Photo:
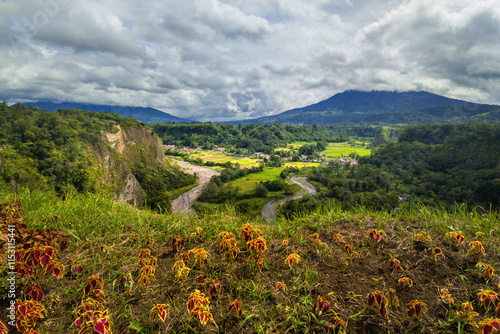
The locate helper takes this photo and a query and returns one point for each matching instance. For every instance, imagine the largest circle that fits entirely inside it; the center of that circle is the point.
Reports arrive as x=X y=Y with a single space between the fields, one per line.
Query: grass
x=341 y=279
x=334 y=150
x=342 y=149
x=222 y=158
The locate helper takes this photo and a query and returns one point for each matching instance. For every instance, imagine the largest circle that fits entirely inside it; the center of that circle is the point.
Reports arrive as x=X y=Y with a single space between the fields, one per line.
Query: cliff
x=75 y=150
x=125 y=147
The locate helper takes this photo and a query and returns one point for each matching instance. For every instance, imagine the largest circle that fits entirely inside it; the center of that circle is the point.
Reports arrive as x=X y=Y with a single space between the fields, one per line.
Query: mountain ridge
x=144 y=115
x=383 y=107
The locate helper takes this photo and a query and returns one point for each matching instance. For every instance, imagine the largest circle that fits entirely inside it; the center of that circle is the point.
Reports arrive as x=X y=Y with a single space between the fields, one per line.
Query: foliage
x=255 y=137
x=281 y=291
x=59 y=151
x=441 y=166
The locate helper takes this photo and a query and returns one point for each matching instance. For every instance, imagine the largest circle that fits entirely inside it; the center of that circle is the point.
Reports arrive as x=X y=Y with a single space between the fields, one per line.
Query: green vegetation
x=65 y=150
x=335 y=260
x=440 y=166
x=404 y=240
x=345 y=149
x=255 y=138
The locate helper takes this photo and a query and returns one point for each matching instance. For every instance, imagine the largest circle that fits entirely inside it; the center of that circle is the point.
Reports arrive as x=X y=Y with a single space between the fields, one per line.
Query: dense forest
x=438 y=165
x=257 y=137
x=56 y=151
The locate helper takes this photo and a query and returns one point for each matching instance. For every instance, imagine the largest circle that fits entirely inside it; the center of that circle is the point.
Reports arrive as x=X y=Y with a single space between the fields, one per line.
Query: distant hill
x=144 y=115
x=384 y=107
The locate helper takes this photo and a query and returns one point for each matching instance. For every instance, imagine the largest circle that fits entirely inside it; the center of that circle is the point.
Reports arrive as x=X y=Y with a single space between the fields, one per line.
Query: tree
x=261 y=191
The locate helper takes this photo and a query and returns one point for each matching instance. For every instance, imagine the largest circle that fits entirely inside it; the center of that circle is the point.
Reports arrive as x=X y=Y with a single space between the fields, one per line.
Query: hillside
x=144 y=115
x=333 y=271
x=74 y=150
x=383 y=107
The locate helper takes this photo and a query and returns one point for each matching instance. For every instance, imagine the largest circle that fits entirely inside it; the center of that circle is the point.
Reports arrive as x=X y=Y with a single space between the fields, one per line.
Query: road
x=182 y=204
x=270 y=209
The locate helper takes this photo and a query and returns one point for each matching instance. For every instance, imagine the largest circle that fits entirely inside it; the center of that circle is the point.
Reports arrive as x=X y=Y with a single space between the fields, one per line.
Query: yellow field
x=221 y=158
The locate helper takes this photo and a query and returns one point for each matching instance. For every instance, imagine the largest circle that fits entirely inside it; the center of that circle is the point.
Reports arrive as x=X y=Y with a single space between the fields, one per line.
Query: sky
x=214 y=60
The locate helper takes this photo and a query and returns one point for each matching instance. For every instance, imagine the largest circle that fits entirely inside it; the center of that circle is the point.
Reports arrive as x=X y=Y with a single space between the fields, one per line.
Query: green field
x=247 y=183
x=342 y=149
x=334 y=150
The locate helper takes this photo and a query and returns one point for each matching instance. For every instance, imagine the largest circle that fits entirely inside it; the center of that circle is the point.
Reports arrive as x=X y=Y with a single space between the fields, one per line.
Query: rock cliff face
x=122 y=149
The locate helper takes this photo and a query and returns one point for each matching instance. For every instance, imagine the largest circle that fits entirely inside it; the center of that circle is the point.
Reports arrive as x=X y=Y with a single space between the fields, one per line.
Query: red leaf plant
x=393 y=299
x=34 y=292
x=210 y=286
x=177 y=243
x=322 y=305
x=489 y=325
x=377 y=298
x=405 y=282
x=437 y=253
x=93 y=321
x=161 y=310
x=375 y=235
x=394 y=264
x=476 y=251
x=487 y=297
x=339 y=322
x=417 y=308
x=228 y=244
x=236 y=305
x=292 y=259
x=198 y=307
x=468 y=314
x=487 y=271
x=455 y=238
x=3 y=328
x=248 y=232
x=27 y=313
x=281 y=286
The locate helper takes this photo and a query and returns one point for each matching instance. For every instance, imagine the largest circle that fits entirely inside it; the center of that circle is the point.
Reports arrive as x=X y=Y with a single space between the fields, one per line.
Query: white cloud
x=213 y=59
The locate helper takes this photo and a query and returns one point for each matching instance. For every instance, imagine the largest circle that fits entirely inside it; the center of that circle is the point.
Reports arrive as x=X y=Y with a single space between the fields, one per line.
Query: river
x=182 y=204
x=270 y=209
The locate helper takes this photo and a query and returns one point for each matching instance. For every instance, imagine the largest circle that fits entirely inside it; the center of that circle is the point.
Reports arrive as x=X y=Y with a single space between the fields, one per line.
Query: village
x=261 y=157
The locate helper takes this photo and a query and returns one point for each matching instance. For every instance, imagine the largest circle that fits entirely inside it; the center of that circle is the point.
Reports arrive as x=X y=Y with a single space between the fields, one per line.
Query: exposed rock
x=122 y=150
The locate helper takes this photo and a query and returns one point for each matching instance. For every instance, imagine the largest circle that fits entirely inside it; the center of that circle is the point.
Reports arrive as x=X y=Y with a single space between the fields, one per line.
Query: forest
x=437 y=165
x=57 y=152
x=256 y=137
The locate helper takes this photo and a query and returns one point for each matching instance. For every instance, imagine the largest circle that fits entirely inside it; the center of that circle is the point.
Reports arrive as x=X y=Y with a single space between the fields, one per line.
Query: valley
x=396 y=229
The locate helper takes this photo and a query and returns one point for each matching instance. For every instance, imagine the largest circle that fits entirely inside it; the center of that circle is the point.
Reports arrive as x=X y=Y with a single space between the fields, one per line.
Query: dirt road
x=184 y=202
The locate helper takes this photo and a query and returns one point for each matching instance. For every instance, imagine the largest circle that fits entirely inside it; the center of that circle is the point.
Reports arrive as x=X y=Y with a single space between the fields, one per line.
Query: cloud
x=217 y=59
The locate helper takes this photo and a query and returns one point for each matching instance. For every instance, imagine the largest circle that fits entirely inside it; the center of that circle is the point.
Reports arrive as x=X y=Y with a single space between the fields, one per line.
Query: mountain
x=384 y=107
x=144 y=115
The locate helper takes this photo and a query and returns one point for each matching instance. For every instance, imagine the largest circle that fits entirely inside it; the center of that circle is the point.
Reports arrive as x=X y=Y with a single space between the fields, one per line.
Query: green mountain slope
x=144 y=115
x=95 y=152
x=382 y=107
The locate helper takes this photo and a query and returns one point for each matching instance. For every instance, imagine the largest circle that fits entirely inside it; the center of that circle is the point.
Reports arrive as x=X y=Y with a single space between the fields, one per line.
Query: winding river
x=270 y=209
x=182 y=204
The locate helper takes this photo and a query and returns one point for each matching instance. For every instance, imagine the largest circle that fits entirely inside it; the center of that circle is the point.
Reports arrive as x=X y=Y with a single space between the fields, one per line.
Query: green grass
x=342 y=149
x=94 y=220
x=248 y=182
